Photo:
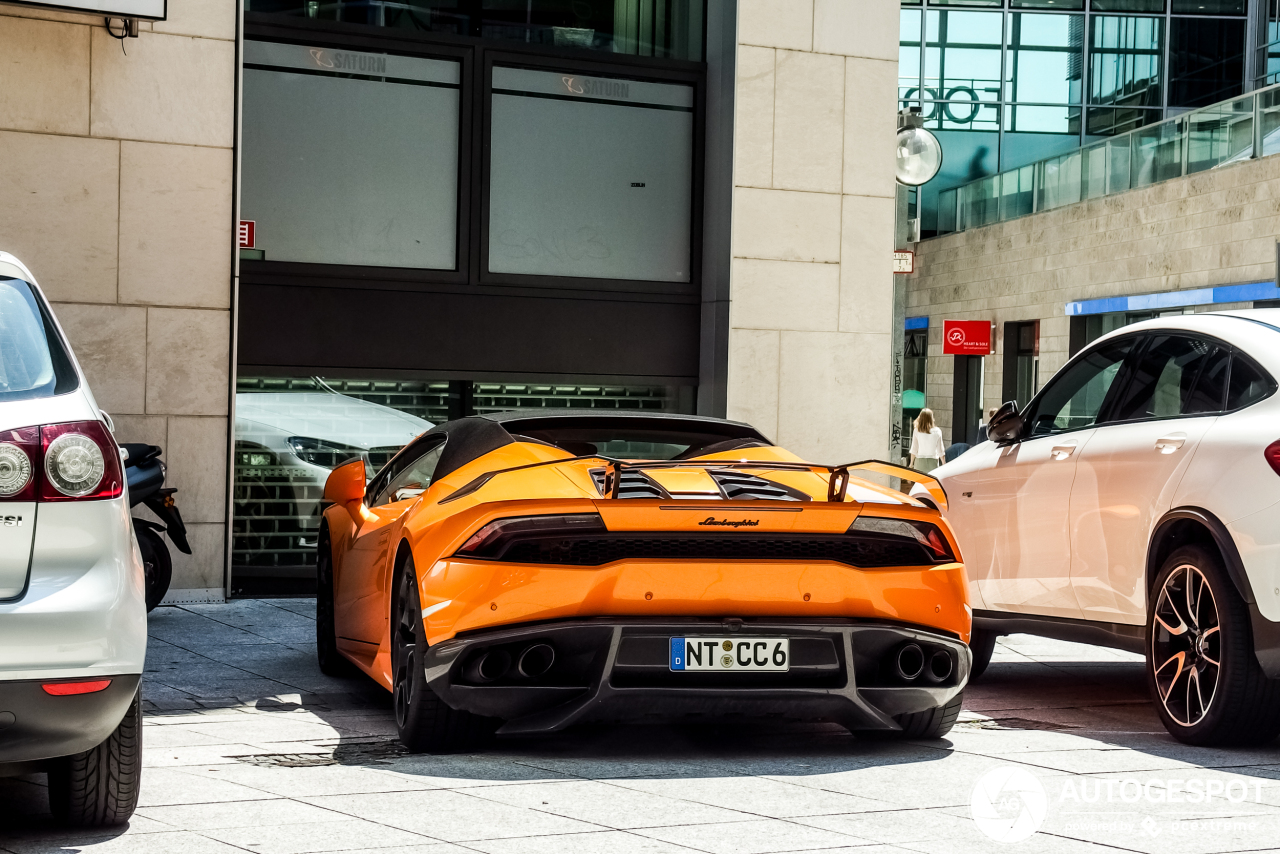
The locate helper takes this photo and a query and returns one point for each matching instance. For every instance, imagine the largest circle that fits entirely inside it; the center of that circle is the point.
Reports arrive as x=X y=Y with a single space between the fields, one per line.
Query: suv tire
x=332 y=662
x=982 y=643
x=1204 y=678
x=99 y=787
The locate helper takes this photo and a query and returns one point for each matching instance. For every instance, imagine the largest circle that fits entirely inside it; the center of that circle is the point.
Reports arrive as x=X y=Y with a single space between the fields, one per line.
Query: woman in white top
x=927 y=446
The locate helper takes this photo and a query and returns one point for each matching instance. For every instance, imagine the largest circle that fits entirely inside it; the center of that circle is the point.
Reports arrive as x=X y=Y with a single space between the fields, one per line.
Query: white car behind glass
x=1134 y=503
x=73 y=620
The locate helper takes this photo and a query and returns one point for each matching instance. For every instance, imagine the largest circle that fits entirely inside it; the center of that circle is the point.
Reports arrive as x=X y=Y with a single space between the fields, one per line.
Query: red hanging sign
x=247 y=236
x=966 y=337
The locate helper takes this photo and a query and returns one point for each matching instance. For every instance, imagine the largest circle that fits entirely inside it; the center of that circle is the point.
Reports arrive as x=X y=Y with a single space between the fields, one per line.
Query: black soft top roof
x=477 y=435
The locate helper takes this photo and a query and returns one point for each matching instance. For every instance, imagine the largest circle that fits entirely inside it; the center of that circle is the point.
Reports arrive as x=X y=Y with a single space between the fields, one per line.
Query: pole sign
x=904 y=261
x=247 y=237
x=146 y=10
x=966 y=337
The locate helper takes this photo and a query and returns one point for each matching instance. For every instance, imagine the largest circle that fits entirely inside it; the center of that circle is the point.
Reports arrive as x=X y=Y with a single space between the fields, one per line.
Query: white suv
x=73 y=620
x=1135 y=503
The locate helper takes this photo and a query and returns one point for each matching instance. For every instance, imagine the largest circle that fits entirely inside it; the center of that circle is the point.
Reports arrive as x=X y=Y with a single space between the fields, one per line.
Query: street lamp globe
x=919 y=156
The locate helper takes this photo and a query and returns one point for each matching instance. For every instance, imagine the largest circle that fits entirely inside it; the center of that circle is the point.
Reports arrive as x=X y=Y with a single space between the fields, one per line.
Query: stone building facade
x=812 y=273
x=116 y=189
x=1211 y=229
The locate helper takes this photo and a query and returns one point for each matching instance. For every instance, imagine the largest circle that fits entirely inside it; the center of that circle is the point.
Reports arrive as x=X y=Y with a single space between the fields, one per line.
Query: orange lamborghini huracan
x=529 y=570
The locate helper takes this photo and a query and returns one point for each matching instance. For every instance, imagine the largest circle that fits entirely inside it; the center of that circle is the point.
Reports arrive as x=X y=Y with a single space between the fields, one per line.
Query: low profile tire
x=931 y=723
x=426 y=724
x=332 y=662
x=982 y=643
x=99 y=788
x=157 y=564
x=1204 y=678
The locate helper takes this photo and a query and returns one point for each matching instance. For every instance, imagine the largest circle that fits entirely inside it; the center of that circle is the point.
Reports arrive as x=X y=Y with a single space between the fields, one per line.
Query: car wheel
x=1204 y=678
x=332 y=662
x=157 y=564
x=982 y=644
x=99 y=787
x=426 y=723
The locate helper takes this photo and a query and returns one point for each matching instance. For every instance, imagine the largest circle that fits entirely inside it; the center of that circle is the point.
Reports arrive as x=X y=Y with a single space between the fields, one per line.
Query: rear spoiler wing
x=837 y=476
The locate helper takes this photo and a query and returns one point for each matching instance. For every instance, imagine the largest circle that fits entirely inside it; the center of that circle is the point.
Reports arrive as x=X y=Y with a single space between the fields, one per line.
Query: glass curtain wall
x=1004 y=83
x=669 y=29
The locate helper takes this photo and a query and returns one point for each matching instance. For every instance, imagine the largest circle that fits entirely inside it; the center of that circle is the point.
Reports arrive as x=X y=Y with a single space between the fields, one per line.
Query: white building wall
x=116 y=190
x=812 y=275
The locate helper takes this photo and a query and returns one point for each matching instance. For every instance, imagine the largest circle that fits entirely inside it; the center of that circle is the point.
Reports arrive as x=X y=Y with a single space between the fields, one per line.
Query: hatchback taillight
x=19 y=464
x=60 y=462
x=1272 y=453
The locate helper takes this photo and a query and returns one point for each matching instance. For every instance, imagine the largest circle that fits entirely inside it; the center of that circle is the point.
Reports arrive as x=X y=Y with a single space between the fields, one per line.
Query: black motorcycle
x=144 y=470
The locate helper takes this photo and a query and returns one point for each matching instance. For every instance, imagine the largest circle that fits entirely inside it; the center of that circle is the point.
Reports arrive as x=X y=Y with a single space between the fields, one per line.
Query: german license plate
x=731 y=655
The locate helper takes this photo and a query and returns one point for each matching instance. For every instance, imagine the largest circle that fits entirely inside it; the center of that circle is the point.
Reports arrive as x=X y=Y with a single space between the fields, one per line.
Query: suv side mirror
x=345 y=486
x=1006 y=425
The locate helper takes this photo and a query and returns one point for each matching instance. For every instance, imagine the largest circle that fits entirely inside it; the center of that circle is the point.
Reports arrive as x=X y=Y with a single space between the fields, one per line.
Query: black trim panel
x=1115 y=635
x=36 y=726
x=599 y=683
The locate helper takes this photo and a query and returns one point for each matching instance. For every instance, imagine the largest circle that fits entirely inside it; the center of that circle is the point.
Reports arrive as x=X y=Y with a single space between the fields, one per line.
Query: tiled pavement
x=250 y=748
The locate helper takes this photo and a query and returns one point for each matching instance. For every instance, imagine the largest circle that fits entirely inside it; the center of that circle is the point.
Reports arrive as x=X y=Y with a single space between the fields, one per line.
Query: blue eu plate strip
x=677 y=653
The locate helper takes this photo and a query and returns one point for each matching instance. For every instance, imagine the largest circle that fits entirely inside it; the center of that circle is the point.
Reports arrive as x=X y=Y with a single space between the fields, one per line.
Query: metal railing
x=1242 y=128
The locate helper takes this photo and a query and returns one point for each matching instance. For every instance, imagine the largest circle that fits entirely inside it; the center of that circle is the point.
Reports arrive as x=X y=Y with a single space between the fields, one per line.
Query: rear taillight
x=19 y=464
x=490 y=540
x=60 y=462
x=1272 y=453
x=926 y=534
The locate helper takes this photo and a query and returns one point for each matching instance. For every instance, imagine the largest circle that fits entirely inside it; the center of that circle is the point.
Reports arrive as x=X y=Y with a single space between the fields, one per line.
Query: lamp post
x=919 y=157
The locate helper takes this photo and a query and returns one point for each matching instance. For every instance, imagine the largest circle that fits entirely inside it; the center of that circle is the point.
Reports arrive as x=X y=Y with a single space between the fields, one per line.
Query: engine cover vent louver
x=739 y=486
x=634 y=485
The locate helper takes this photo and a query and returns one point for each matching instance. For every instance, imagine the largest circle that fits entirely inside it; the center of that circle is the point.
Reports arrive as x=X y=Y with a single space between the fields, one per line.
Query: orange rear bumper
x=466 y=595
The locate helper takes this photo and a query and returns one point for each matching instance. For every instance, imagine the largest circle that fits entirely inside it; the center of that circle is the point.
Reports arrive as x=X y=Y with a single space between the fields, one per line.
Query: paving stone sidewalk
x=250 y=748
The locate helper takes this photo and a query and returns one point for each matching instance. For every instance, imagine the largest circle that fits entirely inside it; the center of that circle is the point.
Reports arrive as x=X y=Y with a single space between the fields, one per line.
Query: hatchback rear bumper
x=619 y=669
x=35 y=725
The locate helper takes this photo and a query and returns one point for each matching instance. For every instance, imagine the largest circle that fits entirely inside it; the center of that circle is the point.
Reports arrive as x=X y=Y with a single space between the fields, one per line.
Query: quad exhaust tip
x=940 y=666
x=492 y=665
x=908 y=664
x=536 y=660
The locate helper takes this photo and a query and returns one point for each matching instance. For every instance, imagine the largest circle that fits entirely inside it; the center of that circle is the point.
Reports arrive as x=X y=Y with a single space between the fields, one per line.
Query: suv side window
x=411 y=477
x=1176 y=375
x=1249 y=383
x=1075 y=398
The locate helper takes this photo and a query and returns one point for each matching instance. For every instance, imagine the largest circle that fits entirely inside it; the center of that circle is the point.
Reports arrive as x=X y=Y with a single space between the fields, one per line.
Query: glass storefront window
x=1124 y=61
x=291 y=431
x=909 y=56
x=1209 y=7
x=962 y=55
x=322 y=185
x=1045 y=58
x=668 y=29
x=590 y=176
x=1206 y=60
x=1127 y=5
x=1062 y=5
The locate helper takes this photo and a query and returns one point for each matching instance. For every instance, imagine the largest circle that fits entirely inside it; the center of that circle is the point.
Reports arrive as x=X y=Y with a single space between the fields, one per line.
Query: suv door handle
x=1169 y=444
x=1066 y=449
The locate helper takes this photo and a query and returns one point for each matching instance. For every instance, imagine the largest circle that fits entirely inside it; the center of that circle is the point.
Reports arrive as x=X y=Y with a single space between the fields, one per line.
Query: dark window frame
x=477 y=57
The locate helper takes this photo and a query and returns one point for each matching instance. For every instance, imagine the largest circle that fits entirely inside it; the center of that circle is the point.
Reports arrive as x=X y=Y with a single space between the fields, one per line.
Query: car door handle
x=1169 y=444
x=1061 y=452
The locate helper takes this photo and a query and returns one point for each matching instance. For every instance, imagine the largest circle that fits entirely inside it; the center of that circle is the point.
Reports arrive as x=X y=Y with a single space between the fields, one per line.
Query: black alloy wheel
x=1204 y=678
x=426 y=724
x=331 y=661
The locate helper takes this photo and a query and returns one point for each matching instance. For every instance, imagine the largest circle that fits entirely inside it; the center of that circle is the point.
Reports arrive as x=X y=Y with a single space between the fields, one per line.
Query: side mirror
x=1006 y=425
x=345 y=486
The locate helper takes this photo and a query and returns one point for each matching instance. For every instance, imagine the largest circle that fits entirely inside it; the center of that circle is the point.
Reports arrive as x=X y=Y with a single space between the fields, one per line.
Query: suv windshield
x=33 y=362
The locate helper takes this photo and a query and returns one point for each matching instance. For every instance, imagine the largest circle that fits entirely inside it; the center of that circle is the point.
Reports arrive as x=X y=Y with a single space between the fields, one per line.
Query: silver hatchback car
x=73 y=622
